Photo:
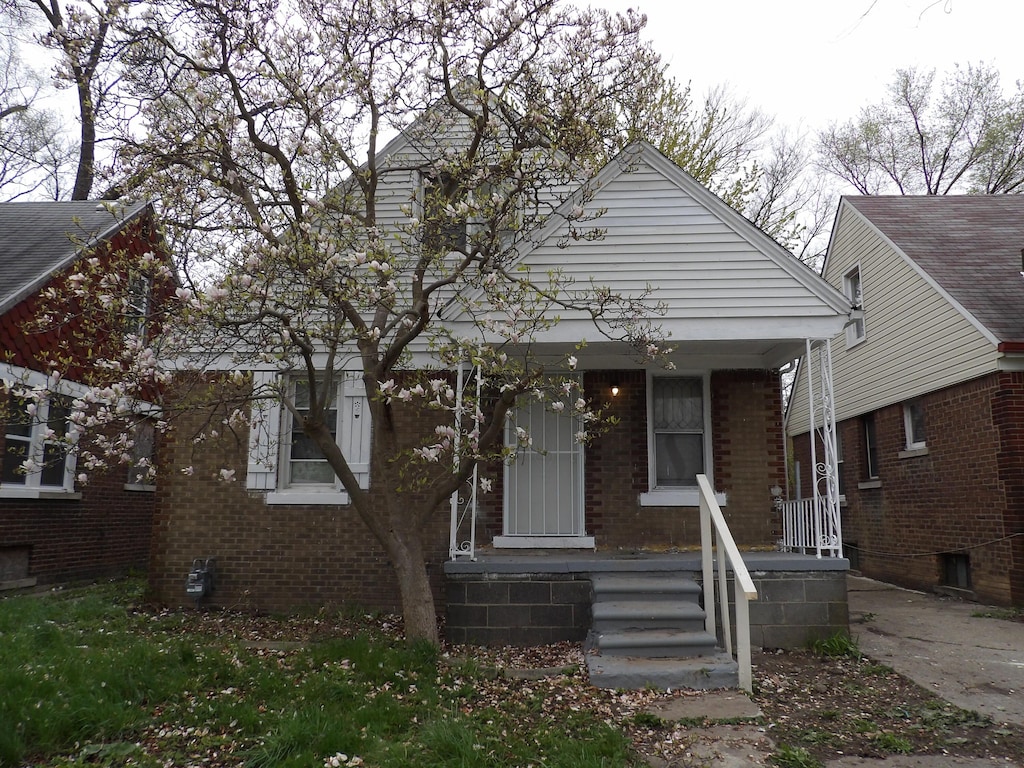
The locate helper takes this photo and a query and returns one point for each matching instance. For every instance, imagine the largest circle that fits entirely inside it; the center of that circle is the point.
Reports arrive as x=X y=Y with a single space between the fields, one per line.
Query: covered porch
x=679 y=619
x=590 y=544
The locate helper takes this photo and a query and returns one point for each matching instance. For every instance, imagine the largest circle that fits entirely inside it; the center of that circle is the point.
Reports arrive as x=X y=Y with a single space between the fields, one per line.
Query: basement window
x=956 y=570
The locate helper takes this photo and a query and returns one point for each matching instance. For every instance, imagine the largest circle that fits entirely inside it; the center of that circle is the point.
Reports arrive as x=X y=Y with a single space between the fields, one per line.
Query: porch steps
x=648 y=630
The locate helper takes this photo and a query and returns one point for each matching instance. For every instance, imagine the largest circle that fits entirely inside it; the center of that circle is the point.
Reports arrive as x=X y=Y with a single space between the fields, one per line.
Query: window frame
x=143 y=451
x=914 y=442
x=853 y=289
x=270 y=439
x=37 y=444
x=686 y=495
x=870 y=434
x=841 y=480
x=286 y=482
x=458 y=235
x=138 y=301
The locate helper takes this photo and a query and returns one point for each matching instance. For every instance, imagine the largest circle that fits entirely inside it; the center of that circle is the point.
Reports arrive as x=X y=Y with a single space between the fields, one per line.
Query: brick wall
x=104 y=533
x=746 y=429
x=268 y=557
x=281 y=557
x=746 y=412
x=965 y=494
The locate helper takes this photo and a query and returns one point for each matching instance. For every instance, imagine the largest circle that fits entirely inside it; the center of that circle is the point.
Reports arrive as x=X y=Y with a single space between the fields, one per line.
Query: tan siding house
x=943 y=320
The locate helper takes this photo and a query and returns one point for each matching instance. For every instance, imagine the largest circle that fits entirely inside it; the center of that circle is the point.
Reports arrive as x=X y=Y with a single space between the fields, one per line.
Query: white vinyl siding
x=918 y=341
x=656 y=233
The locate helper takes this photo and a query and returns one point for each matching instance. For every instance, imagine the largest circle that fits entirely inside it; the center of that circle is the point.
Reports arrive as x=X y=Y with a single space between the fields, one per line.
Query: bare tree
x=87 y=41
x=32 y=146
x=963 y=136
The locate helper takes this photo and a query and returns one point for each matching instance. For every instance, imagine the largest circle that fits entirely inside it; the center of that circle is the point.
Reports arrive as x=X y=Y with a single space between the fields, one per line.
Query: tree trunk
x=418 y=609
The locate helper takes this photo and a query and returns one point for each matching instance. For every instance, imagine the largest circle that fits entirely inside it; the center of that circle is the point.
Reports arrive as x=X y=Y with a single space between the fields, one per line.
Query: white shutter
x=356 y=431
x=264 y=437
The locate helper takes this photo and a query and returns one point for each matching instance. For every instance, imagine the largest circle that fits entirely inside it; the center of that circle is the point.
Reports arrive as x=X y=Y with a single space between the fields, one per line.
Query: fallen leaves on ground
x=827 y=706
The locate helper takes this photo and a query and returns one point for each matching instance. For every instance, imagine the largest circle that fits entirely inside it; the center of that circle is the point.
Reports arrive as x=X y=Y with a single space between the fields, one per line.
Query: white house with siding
x=737 y=307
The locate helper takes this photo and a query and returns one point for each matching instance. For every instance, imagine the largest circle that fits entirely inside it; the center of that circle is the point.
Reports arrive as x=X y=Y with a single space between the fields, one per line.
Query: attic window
x=852 y=288
x=137 y=307
x=441 y=230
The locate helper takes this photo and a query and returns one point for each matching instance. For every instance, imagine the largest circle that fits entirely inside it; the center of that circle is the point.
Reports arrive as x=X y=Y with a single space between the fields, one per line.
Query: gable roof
x=724 y=284
x=968 y=246
x=38 y=239
x=706 y=261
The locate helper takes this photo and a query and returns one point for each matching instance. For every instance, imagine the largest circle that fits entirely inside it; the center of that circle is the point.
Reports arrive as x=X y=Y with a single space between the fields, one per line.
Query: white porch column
x=463 y=502
x=826 y=529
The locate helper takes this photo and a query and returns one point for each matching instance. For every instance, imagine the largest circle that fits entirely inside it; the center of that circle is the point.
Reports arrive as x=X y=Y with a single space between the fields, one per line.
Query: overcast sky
x=817 y=61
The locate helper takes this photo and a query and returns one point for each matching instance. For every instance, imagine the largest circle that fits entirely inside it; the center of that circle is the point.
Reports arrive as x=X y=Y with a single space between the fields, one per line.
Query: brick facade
x=103 y=529
x=277 y=558
x=104 y=533
x=963 y=495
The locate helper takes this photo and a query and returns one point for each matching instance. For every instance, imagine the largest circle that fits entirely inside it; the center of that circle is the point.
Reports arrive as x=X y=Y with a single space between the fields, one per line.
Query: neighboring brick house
x=738 y=307
x=52 y=527
x=929 y=392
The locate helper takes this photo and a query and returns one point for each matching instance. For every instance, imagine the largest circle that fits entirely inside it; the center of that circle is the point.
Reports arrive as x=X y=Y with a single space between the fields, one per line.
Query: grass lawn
x=93 y=677
x=86 y=678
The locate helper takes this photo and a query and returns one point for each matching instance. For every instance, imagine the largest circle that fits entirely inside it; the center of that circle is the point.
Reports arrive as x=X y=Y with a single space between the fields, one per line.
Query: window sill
x=683 y=497
x=50 y=494
x=868 y=484
x=912 y=453
x=139 y=488
x=543 y=542
x=325 y=498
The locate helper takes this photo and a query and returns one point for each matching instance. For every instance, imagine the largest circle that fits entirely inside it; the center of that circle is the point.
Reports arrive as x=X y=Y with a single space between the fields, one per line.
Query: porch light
x=615 y=390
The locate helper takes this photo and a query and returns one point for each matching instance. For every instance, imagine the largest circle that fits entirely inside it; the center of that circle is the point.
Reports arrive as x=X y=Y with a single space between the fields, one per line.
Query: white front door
x=544 y=482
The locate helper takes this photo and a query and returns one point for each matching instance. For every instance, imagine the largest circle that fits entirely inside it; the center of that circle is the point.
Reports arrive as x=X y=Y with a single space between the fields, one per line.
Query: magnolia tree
x=309 y=249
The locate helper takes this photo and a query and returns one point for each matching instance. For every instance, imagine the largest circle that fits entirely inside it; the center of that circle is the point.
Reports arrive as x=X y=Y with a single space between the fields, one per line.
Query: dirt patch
x=845 y=706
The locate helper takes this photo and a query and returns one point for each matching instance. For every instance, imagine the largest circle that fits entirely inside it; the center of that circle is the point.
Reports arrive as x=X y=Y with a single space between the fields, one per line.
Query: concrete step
x=647 y=614
x=655 y=643
x=647 y=586
x=628 y=673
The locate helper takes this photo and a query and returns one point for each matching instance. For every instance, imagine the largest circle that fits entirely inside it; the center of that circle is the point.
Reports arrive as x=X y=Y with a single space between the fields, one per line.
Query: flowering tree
x=310 y=249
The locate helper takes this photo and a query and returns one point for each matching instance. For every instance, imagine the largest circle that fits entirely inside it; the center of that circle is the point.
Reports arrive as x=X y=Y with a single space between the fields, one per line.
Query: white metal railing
x=464 y=501
x=716 y=537
x=814 y=523
x=811 y=525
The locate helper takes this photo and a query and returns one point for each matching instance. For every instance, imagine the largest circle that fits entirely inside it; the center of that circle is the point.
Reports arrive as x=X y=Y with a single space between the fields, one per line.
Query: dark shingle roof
x=969 y=244
x=37 y=239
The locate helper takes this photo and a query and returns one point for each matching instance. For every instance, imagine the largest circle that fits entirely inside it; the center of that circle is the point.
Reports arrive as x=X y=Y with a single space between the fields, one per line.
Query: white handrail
x=715 y=534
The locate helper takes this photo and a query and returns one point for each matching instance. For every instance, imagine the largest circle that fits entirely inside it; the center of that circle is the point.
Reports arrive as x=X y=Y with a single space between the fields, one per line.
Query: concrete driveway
x=975 y=663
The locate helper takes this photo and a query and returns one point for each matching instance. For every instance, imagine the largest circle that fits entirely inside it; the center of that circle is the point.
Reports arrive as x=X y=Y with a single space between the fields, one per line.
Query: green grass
x=1006 y=614
x=89 y=681
x=795 y=757
x=890 y=742
x=839 y=645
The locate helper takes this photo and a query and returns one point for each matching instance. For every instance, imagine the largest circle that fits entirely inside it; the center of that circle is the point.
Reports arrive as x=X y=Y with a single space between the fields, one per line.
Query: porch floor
x=589 y=561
